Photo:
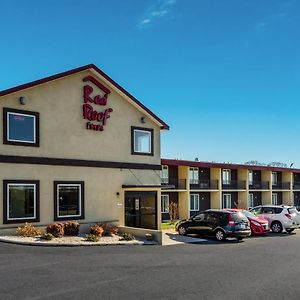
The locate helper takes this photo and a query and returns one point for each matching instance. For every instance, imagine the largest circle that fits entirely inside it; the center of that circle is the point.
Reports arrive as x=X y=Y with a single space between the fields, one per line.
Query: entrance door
x=141 y=209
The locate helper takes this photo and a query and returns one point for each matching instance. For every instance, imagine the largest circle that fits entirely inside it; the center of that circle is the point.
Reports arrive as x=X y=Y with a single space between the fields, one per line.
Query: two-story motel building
x=196 y=186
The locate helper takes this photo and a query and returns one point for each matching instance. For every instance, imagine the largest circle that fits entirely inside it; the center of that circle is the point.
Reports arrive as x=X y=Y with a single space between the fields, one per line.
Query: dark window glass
x=268 y=210
x=239 y=217
x=21 y=128
x=278 y=210
x=69 y=200
x=21 y=201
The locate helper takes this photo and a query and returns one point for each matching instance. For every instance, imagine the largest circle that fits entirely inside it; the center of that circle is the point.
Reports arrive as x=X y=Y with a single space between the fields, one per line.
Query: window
x=141 y=141
x=194 y=175
x=200 y=217
x=164 y=174
x=226 y=176
x=250 y=200
x=268 y=211
x=20 y=127
x=69 y=200
x=256 y=211
x=226 y=200
x=194 y=202
x=274 y=178
x=274 y=199
x=250 y=177
x=164 y=203
x=21 y=201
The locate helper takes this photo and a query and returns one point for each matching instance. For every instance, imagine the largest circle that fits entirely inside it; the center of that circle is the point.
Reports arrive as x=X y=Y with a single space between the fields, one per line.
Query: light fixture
x=143 y=120
x=23 y=100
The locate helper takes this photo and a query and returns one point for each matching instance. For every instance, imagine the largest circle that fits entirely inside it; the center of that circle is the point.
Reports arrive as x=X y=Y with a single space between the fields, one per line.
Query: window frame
x=250 y=177
x=250 y=195
x=7 y=141
x=223 y=206
x=275 y=196
x=228 y=181
x=274 y=176
x=198 y=201
x=6 y=184
x=195 y=179
x=143 y=129
x=164 y=180
x=166 y=210
x=57 y=184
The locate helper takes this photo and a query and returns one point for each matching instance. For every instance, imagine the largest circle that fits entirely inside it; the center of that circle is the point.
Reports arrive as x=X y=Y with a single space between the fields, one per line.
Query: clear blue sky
x=224 y=74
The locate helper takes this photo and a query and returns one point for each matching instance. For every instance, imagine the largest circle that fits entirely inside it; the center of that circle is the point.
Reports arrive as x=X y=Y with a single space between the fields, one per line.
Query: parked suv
x=218 y=223
x=279 y=217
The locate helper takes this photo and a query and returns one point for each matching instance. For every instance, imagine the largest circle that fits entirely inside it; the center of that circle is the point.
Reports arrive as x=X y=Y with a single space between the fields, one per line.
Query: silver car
x=279 y=217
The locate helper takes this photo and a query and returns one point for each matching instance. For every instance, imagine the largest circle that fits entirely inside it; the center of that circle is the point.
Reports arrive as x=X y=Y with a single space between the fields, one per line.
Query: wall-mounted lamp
x=143 y=120
x=118 y=194
x=23 y=100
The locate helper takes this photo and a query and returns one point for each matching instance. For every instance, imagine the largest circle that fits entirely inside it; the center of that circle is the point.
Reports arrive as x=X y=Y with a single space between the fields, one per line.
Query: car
x=218 y=223
x=258 y=224
x=279 y=217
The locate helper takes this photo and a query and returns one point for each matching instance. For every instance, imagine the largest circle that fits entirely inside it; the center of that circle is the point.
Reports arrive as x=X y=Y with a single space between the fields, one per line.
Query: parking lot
x=265 y=267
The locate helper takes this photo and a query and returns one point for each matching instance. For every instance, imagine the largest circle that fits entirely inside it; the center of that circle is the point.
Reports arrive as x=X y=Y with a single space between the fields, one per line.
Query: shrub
x=56 y=229
x=92 y=238
x=109 y=229
x=127 y=237
x=72 y=228
x=28 y=230
x=47 y=236
x=96 y=230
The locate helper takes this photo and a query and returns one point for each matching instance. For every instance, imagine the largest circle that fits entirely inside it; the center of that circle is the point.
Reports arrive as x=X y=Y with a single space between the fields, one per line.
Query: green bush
x=96 y=230
x=71 y=228
x=47 y=236
x=92 y=238
x=127 y=237
x=56 y=229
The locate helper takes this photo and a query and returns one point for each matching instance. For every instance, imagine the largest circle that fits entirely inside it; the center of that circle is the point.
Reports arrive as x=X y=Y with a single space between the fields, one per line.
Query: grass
x=168 y=225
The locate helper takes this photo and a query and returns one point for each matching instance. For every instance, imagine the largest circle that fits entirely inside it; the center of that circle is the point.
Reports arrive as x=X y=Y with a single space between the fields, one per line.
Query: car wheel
x=182 y=230
x=220 y=235
x=276 y=227
x=289 y=231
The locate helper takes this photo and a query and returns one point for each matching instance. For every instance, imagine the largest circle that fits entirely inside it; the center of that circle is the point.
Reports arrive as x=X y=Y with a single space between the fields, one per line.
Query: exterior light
x=143 y=120
x=23 y=100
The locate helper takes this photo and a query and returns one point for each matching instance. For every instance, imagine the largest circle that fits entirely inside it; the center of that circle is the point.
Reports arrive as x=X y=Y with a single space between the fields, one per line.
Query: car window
x=293 y=210
x=256 y=211
x=200 y=217
x=212 y=217
x=278 y=210
x=268 y=210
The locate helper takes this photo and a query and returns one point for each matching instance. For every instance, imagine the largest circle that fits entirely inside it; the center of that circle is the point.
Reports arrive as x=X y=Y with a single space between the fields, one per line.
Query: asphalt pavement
x=257 y=268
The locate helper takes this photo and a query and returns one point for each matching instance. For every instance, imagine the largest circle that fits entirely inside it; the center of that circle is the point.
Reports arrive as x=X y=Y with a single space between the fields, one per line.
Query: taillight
x=289 y=216
x=231 y=221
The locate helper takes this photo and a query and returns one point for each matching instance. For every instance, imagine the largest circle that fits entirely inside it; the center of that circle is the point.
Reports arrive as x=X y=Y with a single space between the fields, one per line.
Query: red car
x=258 y=225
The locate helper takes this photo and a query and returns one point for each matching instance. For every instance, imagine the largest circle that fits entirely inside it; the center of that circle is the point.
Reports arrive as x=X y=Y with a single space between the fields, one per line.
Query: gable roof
x=136 y=102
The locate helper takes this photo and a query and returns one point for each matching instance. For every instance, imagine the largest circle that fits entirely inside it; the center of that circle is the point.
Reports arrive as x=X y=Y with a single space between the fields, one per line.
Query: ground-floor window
x=20 y=201
x=226 y=201
x=194 y=202
x=69 y=200
x=164 y=203
x=274 y=199
x=250 y=200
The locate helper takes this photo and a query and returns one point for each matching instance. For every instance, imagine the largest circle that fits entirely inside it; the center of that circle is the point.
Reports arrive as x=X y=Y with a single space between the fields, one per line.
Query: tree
x=173 y=211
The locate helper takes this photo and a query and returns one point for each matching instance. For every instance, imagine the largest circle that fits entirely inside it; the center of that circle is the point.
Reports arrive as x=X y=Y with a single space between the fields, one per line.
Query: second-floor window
x=274 y=178
x=226 y=176
x=141 y=141
x=250 y=177
x=20 y=127
x=164 y=174
x=194 y=175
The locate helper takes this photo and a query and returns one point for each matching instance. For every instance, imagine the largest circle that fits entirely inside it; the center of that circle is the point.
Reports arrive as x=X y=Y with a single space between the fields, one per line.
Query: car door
x=199 y=223
x=213 y=220
x=268 y=213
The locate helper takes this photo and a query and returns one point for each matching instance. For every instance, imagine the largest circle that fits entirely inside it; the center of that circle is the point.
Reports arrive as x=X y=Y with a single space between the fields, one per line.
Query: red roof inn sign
x=96 y=119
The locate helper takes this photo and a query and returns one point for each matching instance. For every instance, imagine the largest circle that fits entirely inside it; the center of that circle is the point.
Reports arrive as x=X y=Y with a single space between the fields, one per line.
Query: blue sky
x=224 y=74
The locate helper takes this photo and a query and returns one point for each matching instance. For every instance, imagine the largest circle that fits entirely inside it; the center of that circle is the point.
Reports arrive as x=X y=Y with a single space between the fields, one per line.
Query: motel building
x=196 y=186
x=77 y=146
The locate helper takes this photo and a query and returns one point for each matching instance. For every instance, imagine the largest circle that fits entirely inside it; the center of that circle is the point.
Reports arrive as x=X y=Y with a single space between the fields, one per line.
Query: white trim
x=250 y=198
x=57 y=199
x=161 y=202
x=164 y=180
x=150 y=140
x=7 y=201
x=195 y=179
x=24 y=115
x=228 y=200
x=228 y=180
x=195 y=197
x=250 y=182
x=274 y=199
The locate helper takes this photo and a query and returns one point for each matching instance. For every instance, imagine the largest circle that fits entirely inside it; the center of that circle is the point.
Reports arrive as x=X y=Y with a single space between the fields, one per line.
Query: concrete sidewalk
x=171 y=237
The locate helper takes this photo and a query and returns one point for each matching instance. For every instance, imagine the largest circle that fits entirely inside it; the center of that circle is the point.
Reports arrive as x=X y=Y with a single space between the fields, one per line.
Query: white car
x=279 y=217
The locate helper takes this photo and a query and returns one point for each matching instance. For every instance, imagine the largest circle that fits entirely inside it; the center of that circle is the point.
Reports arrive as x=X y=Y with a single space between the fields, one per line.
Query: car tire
x=289 y=231
x=220 y=235
x=276 y=227
x=182 y=230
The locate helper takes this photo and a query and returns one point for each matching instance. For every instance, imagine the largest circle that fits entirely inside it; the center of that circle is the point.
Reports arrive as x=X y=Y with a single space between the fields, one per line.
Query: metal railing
x=234 y=185
x=281 y=186
x=259 y=185
x=178 y=184
x=296 y=185
x=204 y=185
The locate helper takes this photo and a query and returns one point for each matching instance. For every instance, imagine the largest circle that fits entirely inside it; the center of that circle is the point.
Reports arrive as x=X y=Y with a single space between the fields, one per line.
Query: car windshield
x=249 y=214
x=293 y=210
x=239 y=217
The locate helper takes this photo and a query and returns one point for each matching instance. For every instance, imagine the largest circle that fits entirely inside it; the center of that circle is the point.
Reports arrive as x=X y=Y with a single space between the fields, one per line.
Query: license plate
x=241 y=226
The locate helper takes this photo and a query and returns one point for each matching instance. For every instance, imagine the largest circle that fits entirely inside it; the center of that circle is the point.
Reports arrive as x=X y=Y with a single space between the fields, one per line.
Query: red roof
x=80 y=69
x=201 y=164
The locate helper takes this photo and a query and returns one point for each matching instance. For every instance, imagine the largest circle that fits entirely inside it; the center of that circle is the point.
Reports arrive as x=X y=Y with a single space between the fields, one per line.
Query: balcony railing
x=178 y=184
x=259 y=185
x=204 y=185
x=281 y=186
x=234 y=185
x=296 y=185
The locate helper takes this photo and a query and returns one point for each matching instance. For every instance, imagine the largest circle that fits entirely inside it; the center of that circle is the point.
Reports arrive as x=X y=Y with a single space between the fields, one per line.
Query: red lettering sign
x=91 y=114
